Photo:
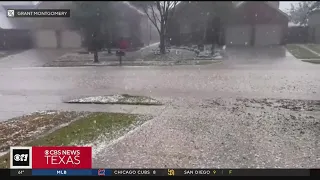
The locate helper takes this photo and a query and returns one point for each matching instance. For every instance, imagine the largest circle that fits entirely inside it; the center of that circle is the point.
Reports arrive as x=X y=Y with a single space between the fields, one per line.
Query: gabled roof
x=52 y=4
x=29 y=6
x=12 y=23
x=133 y=7
x=241 y=3
x=315 y=11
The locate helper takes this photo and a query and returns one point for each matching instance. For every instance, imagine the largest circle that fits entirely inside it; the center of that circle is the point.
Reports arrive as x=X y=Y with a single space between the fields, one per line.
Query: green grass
x=300 y=52
x=4 y=54
x=316 y=61
x=314 y=47
x=84 y=131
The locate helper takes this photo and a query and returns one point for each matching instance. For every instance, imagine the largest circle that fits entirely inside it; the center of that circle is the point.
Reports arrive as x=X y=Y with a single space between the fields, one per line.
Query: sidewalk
x=131 y=63
x=216 y=134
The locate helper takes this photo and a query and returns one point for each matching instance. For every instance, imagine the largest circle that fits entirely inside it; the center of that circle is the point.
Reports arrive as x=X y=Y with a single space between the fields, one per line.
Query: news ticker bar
x=38 y=13
x=160 y=172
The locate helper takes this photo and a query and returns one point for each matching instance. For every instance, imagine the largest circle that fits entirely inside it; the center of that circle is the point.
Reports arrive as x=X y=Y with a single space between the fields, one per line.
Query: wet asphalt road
x=188 y=131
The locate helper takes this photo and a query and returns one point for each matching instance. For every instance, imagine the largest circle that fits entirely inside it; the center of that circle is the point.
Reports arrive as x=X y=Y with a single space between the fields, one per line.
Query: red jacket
x=124 y=44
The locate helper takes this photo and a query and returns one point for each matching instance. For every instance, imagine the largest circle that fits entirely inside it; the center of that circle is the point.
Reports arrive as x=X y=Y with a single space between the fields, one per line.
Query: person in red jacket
x=123 y=44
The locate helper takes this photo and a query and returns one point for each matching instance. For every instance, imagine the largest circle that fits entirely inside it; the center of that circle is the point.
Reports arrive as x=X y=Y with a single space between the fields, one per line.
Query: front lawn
x=313 y=61
x=314 y=47
x=300 y=52
x=55 y=128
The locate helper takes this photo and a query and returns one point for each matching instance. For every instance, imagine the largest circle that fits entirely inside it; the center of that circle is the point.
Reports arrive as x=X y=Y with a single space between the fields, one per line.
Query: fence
x=299 y=34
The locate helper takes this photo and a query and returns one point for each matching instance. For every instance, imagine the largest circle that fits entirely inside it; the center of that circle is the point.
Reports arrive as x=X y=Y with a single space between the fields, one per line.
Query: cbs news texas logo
x=51 y=157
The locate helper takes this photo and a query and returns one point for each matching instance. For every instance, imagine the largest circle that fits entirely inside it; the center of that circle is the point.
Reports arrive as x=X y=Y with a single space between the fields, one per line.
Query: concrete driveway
x=263 y=56
x=32 y=58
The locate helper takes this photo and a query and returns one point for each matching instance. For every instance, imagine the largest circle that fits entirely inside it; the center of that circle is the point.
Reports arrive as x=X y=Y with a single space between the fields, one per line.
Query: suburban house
x=14 y=32
x=133 y=25
x=60 y=32
x=249 y=23
x=128 y=24
x=314 y=26
x=54 y=32
x=148 y=32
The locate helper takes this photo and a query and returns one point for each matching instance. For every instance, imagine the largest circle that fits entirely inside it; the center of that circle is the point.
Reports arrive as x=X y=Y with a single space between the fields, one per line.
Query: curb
x=194 y=62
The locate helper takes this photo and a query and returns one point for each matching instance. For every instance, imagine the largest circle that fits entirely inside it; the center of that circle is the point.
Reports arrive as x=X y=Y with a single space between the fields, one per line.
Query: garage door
x=317 y=34
x=268 y=35
x=70 y=39
x=238 y=35
x=45 y=39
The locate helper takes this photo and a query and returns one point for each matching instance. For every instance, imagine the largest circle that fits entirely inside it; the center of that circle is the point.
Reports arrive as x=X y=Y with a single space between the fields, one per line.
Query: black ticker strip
x=183 y=172
x=4 y=172
x=315 y=172
x=20 y=172
x=213 y=172
x=270 y=172
x=242 y=172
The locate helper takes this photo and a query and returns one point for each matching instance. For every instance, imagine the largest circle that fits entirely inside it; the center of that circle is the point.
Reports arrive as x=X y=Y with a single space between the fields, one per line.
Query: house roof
x=27 y=6
x=241 y=3
x=12 y=23
x=315 y=11
x=50 y=22
x=133 y=7
x=52 y=4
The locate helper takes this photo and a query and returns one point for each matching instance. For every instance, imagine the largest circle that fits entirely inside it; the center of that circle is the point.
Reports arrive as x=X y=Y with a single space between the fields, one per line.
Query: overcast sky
x=284 y=5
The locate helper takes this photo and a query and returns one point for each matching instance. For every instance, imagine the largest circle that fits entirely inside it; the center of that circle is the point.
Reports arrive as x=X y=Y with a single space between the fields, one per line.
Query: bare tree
x=299 y=13
x=93 y=18
x=159 y=13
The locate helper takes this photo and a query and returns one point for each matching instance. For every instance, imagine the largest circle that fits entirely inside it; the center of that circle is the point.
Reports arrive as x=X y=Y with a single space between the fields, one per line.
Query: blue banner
x=62 y=172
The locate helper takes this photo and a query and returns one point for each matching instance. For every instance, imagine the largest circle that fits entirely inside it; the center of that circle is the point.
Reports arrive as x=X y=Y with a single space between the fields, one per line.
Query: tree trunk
x=213 y=47
x=204 y=34
x=205 y=31
x=214 y=41
x=216 y=26
x=120 y=60
x=110 y=39
x=162 y=34
x=95 y=56
x=162 y=43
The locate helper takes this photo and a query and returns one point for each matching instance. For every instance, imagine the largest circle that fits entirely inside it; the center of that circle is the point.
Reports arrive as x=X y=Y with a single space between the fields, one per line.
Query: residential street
x=204 y=122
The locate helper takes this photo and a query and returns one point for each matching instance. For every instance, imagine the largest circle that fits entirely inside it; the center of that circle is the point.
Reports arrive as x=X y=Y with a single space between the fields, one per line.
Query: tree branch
x=155 y=16
x=164 y=8
x=170 y=10
x=159 y=9
x=154 y=22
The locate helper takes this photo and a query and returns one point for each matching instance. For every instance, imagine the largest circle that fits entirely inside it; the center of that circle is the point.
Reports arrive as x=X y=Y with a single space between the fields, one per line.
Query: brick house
x=14 y=32
x=60 y=32
x=314 y=26
x=249 y=23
